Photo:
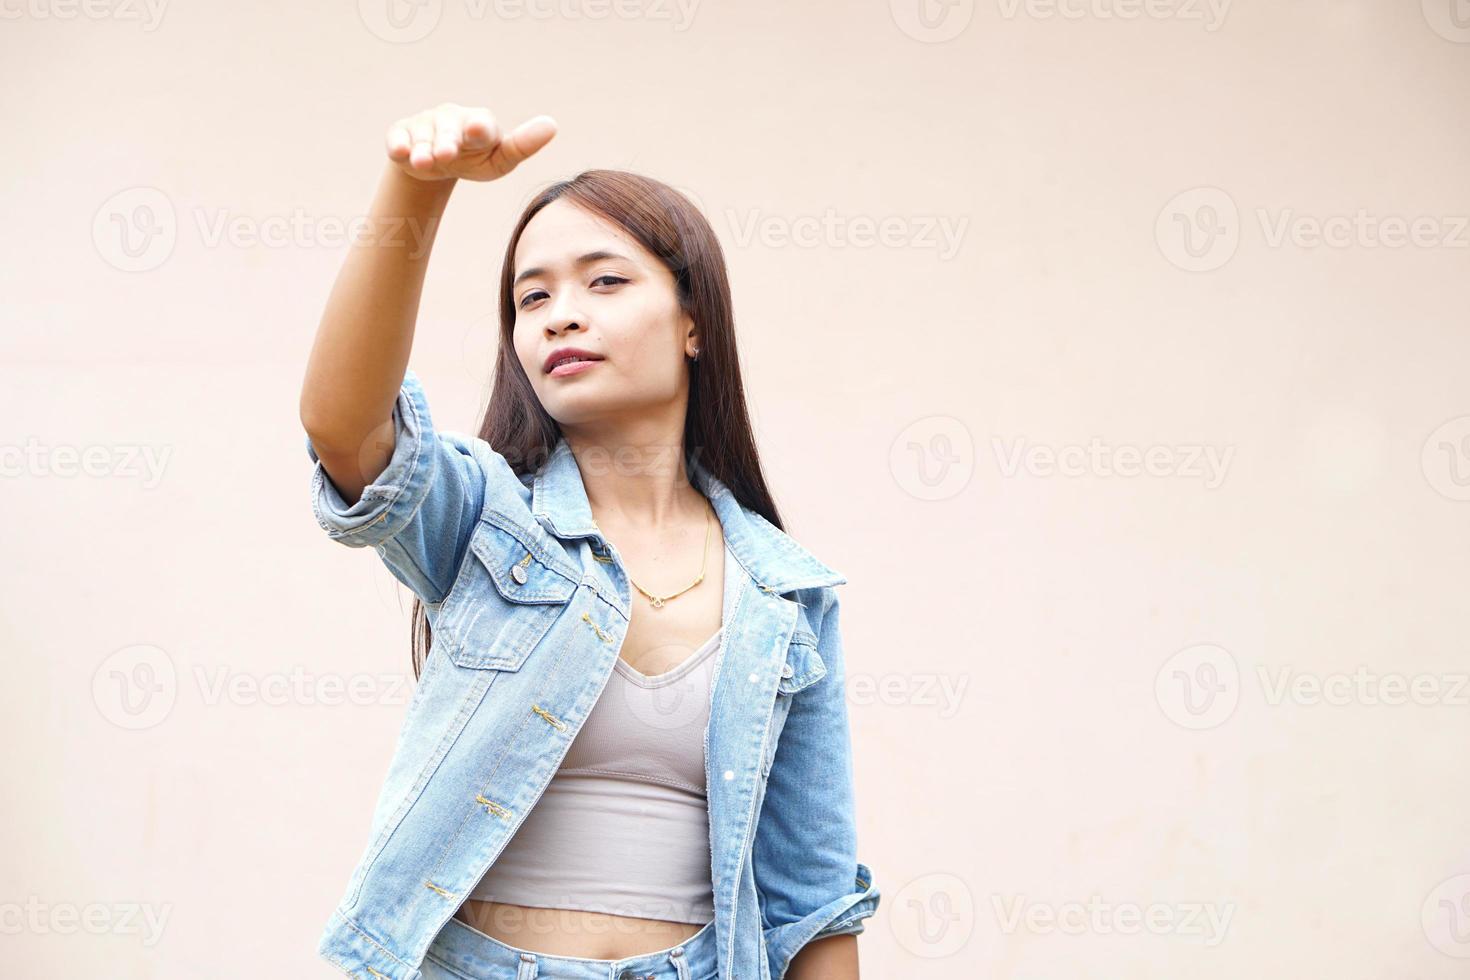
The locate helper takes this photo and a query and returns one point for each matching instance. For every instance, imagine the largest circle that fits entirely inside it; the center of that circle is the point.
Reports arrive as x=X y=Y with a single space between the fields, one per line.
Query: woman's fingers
x=481 y=131
x=523 y=141
x=398 y=142
x=450 y=141
x=422 y=129
x=447 y=133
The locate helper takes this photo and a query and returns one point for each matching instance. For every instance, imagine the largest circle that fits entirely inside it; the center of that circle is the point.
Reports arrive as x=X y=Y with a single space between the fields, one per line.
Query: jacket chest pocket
x=802 y=669
x=507 y=596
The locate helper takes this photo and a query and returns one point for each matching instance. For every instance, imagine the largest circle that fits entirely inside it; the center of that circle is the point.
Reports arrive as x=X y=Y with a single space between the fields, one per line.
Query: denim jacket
x=528 y=605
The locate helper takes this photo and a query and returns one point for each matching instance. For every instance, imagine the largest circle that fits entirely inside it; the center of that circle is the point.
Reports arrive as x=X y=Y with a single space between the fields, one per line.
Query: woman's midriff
x=573 y=932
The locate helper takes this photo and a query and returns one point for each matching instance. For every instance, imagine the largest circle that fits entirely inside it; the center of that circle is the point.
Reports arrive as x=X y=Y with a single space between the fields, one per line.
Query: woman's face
x=620 y=304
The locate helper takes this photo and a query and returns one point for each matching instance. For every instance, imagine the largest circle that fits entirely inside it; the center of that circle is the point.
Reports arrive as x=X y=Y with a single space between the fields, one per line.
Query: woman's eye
x=536 y=293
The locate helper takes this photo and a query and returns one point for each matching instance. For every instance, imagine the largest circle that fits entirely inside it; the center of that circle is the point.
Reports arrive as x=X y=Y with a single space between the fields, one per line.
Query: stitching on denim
x=863 y=905
x=793 y=549
x=397 y=495
x=779 y=714
x=601 y=635
x=422 y=433
x=609 y=598
x=737 y=609
x=531 y=623
x=464 y=559
x=550 y=718
x=448 y=967
x=369 y=939
x=458 y=830
x=557 y=590
x=750 y=831
x=813 y=669
x=411 y=468
x=321 y=509
x=515 y=529
x=442 y=891
x=509 y=742
x=860 y=906
x=492 y=807
x=413 y=564
x=395 y=822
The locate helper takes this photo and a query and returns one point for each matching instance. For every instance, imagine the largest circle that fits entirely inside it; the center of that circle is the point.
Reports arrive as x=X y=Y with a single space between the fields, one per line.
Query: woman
x=627 y=755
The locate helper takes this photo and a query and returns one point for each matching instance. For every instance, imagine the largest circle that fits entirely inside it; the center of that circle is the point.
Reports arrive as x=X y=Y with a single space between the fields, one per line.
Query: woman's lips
x=572 y=367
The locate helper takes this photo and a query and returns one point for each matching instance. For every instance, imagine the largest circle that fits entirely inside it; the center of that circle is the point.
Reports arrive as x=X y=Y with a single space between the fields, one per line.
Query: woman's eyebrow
x=587 y=259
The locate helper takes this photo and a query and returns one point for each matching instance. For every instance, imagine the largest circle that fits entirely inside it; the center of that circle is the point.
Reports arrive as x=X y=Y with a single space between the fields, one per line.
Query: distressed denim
x=528 y=605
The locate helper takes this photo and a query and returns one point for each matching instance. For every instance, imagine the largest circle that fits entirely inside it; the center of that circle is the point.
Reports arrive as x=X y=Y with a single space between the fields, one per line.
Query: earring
x=696 y=353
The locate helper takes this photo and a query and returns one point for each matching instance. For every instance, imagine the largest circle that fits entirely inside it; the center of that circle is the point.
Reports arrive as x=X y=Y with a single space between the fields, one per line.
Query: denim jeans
x=462 y=952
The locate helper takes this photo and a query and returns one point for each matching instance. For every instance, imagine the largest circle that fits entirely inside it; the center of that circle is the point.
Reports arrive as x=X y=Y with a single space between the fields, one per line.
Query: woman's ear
x=691 y=340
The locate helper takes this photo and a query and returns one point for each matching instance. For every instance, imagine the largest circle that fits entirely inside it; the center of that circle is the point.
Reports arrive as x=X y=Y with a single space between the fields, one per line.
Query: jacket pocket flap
x=520 y=573
x=804 y=666
x=504 y=602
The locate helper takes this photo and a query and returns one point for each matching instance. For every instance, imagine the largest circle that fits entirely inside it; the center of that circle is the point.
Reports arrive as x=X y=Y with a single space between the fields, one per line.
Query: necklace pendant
x=658 y=603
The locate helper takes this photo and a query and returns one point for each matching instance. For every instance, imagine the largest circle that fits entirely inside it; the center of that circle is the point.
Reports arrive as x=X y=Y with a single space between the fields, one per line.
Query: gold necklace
x=659 y=600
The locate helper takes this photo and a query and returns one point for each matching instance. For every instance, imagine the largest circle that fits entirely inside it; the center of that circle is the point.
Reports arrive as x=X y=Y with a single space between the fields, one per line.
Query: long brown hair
x=717 y=428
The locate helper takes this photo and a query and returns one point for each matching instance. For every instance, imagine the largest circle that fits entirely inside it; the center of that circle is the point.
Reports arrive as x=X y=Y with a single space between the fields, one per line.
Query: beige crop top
x=623 y=826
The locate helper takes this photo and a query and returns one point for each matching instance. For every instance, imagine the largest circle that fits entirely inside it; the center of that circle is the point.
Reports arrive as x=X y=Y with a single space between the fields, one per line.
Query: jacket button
x=786 y=670
x=518 y=572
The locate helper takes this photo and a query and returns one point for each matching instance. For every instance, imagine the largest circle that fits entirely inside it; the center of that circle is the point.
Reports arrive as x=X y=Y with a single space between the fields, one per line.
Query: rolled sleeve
x=417 y=513
x=386 y=504
x=811 y=882
x=840 y=917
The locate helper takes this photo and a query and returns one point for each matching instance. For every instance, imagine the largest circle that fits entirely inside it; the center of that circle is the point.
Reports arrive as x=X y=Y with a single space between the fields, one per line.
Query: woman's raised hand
x=451 y=141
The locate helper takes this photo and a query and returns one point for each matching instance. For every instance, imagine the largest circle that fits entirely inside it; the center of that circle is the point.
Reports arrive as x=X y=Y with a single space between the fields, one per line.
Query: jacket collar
x=772 y=559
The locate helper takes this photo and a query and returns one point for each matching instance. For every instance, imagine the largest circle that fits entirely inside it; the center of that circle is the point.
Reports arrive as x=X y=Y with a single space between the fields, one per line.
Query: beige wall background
x=1115 y=350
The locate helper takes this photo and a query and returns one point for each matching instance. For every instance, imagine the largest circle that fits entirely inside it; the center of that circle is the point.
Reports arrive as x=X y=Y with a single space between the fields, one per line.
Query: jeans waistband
x=469 y=954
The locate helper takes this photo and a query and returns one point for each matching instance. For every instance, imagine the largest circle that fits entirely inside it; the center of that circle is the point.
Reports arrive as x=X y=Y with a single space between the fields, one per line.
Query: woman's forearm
x=358 y=361
x=363 y=342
